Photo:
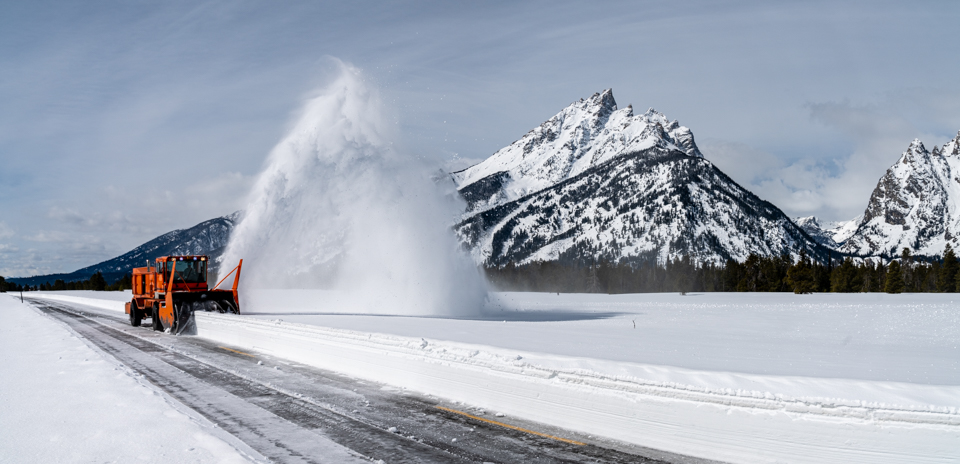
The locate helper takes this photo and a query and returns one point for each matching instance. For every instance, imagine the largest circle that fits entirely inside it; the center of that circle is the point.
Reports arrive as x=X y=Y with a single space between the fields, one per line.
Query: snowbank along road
x=287 y=412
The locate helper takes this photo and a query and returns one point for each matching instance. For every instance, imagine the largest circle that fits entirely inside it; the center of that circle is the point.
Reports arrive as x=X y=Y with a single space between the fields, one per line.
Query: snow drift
x=338 y=206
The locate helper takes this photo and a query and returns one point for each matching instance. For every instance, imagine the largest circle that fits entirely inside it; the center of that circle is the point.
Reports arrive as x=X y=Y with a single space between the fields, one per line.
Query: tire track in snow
x=286 y=426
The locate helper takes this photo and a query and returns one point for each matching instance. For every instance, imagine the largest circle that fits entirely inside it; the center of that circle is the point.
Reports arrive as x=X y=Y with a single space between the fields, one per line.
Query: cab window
x=191 y=272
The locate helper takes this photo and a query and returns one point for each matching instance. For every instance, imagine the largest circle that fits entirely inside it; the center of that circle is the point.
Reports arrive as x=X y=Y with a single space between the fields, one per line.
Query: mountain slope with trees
x=209 y=237
x=596 y=183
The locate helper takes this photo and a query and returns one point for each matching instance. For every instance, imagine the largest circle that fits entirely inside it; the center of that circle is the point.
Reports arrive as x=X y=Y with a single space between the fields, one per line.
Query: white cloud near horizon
x=837 y=188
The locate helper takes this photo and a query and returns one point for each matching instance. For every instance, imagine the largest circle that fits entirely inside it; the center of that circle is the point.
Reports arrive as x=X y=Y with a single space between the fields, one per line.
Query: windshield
x=191 y=272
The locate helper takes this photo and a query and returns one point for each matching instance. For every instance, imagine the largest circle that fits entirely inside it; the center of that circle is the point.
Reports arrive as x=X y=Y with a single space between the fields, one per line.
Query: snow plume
x=337 y=206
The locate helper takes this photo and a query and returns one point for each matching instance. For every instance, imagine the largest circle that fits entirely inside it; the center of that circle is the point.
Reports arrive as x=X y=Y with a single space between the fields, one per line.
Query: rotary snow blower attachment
x=169 y=291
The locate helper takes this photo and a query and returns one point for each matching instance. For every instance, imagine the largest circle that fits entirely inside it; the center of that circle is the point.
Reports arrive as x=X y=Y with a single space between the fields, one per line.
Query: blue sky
x=120 y=121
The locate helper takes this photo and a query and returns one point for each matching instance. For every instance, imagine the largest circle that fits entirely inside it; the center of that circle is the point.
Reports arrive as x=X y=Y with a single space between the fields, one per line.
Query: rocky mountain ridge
x=915 y=205
x=585 y=134
x=830 y=234
x=596 y=183
x=207 y=238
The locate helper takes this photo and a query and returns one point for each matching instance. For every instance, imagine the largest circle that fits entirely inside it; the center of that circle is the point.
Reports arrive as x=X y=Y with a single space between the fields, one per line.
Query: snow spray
x=338 y=207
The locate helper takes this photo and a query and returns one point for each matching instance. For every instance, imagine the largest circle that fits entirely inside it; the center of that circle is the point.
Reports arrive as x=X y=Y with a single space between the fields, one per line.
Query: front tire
x=157 y=324
x=136 y=315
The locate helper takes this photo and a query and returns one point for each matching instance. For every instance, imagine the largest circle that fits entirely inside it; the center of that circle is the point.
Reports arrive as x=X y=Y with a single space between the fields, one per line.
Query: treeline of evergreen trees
x=8 y=286
x=755 y=274
x=95 y=282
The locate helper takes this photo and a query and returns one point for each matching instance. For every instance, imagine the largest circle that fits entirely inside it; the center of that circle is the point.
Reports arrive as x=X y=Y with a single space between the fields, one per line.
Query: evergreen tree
x=822 y=273
x=593 y=282
x=800 y=276
x=731 y=275
x=827 y=282
x=845 y=278
x=750 y=280
x=683 y=275
x=881 y=276
x=894 y=281
x=947 y=280
x=907 y=269
x=868 y=273
x=97 y=282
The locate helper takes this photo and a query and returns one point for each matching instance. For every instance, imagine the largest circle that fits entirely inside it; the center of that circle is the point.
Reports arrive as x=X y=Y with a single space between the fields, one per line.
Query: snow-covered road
x=292 y=413
x=63 y=401
x=732 y=377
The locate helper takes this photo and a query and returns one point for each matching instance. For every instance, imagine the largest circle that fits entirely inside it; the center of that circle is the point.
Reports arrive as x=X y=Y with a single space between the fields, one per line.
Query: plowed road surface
x=291 y=413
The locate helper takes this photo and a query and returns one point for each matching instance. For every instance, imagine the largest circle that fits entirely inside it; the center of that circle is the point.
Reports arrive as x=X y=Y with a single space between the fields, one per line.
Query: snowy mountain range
x=207 y=238
x=597 y=182
x=915 y=205
x=830 y=234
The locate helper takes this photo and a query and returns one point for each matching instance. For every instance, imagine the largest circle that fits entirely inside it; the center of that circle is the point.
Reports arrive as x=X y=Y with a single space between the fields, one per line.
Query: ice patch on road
x=338 y=206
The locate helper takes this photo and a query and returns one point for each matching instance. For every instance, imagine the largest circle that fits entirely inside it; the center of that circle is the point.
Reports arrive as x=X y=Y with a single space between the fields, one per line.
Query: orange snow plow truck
x=169 y=291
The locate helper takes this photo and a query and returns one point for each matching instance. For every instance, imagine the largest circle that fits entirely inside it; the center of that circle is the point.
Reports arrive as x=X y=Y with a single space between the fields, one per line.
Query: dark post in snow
x=21 y=295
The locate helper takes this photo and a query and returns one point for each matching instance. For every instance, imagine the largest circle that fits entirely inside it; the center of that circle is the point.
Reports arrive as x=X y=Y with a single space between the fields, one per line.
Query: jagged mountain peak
x=952 y=148
x=829 y=234
x=595 y=183
x=654 y=116
x=916 y=145
x=599 y=105
x=604 y=99
x=808 y=221
x=916 y=154
x=915 y=205
x=811 y=225
x=586 y=133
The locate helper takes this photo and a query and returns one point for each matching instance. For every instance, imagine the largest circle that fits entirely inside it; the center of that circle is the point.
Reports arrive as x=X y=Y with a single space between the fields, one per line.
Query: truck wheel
x=155 y=317
x=135 y=314
x=178 y=317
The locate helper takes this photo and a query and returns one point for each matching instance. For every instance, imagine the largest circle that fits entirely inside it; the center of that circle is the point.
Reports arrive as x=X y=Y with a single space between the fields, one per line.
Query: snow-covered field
x=911 y=338
x=736 y=377
x=63 y=402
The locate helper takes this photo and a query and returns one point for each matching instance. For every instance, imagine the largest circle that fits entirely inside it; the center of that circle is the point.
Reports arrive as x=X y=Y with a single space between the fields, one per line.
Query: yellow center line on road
x=513 y=427
x=236 y=351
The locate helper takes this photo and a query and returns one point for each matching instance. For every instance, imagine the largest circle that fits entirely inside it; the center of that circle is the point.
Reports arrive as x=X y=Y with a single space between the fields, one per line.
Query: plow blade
x=217 y=301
